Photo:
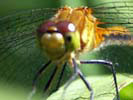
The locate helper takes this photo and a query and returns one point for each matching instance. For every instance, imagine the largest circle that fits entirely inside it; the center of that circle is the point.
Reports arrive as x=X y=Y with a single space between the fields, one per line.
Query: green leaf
x=102 y=86
x=126 y=92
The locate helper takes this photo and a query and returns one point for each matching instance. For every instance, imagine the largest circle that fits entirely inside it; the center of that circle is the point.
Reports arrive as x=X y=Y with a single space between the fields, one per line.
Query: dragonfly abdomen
x=119 y=39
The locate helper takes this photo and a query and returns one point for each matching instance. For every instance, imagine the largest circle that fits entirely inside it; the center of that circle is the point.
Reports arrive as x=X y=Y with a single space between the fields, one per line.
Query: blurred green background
x=9 y=6
x=19 y=72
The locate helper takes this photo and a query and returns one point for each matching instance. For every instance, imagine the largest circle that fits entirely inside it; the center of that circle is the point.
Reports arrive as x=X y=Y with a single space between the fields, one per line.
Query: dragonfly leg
x=61 y=75
x=77 y=70
x=52 y=76
x=75 y=74
x=50 y=80
x=39 y=73
x=110 y=66
x=87 y=85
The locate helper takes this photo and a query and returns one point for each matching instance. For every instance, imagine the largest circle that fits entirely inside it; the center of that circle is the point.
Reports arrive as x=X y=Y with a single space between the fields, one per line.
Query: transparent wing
x=19 y=55
x=20 y=27
x=115 y=13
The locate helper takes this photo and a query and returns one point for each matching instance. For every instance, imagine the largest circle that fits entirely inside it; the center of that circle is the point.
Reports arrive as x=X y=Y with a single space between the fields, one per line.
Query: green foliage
x=126 y=92
x=102 y=86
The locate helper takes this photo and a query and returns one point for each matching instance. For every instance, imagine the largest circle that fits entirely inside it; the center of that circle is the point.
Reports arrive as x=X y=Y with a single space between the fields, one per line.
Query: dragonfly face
x=58 y=38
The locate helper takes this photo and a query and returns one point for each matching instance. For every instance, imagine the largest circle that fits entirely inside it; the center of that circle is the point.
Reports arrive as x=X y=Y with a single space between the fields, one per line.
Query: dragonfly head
x=58 y=38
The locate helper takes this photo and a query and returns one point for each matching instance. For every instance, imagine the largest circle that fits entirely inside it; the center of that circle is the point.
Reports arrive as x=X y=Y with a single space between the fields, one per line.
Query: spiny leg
x=84 y=80
x=76 y=73
x=39 y=73
x=108 y=63
x=35 y=80
x=61 y=75
x=50 y=80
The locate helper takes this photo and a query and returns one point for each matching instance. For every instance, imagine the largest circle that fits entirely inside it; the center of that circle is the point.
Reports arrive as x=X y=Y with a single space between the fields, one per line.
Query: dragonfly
x=71 y=32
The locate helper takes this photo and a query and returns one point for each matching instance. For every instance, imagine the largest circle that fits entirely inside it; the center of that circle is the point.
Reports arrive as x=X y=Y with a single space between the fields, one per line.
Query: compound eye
x=44 y=27
x=65 y=26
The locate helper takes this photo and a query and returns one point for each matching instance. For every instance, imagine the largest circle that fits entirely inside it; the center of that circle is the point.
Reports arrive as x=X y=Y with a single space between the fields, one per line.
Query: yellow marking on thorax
x=84 y=22
x=91 y=36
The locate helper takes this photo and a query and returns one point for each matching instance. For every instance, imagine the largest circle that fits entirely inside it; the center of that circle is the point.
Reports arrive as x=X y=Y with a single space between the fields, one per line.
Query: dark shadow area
x=121 y=55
